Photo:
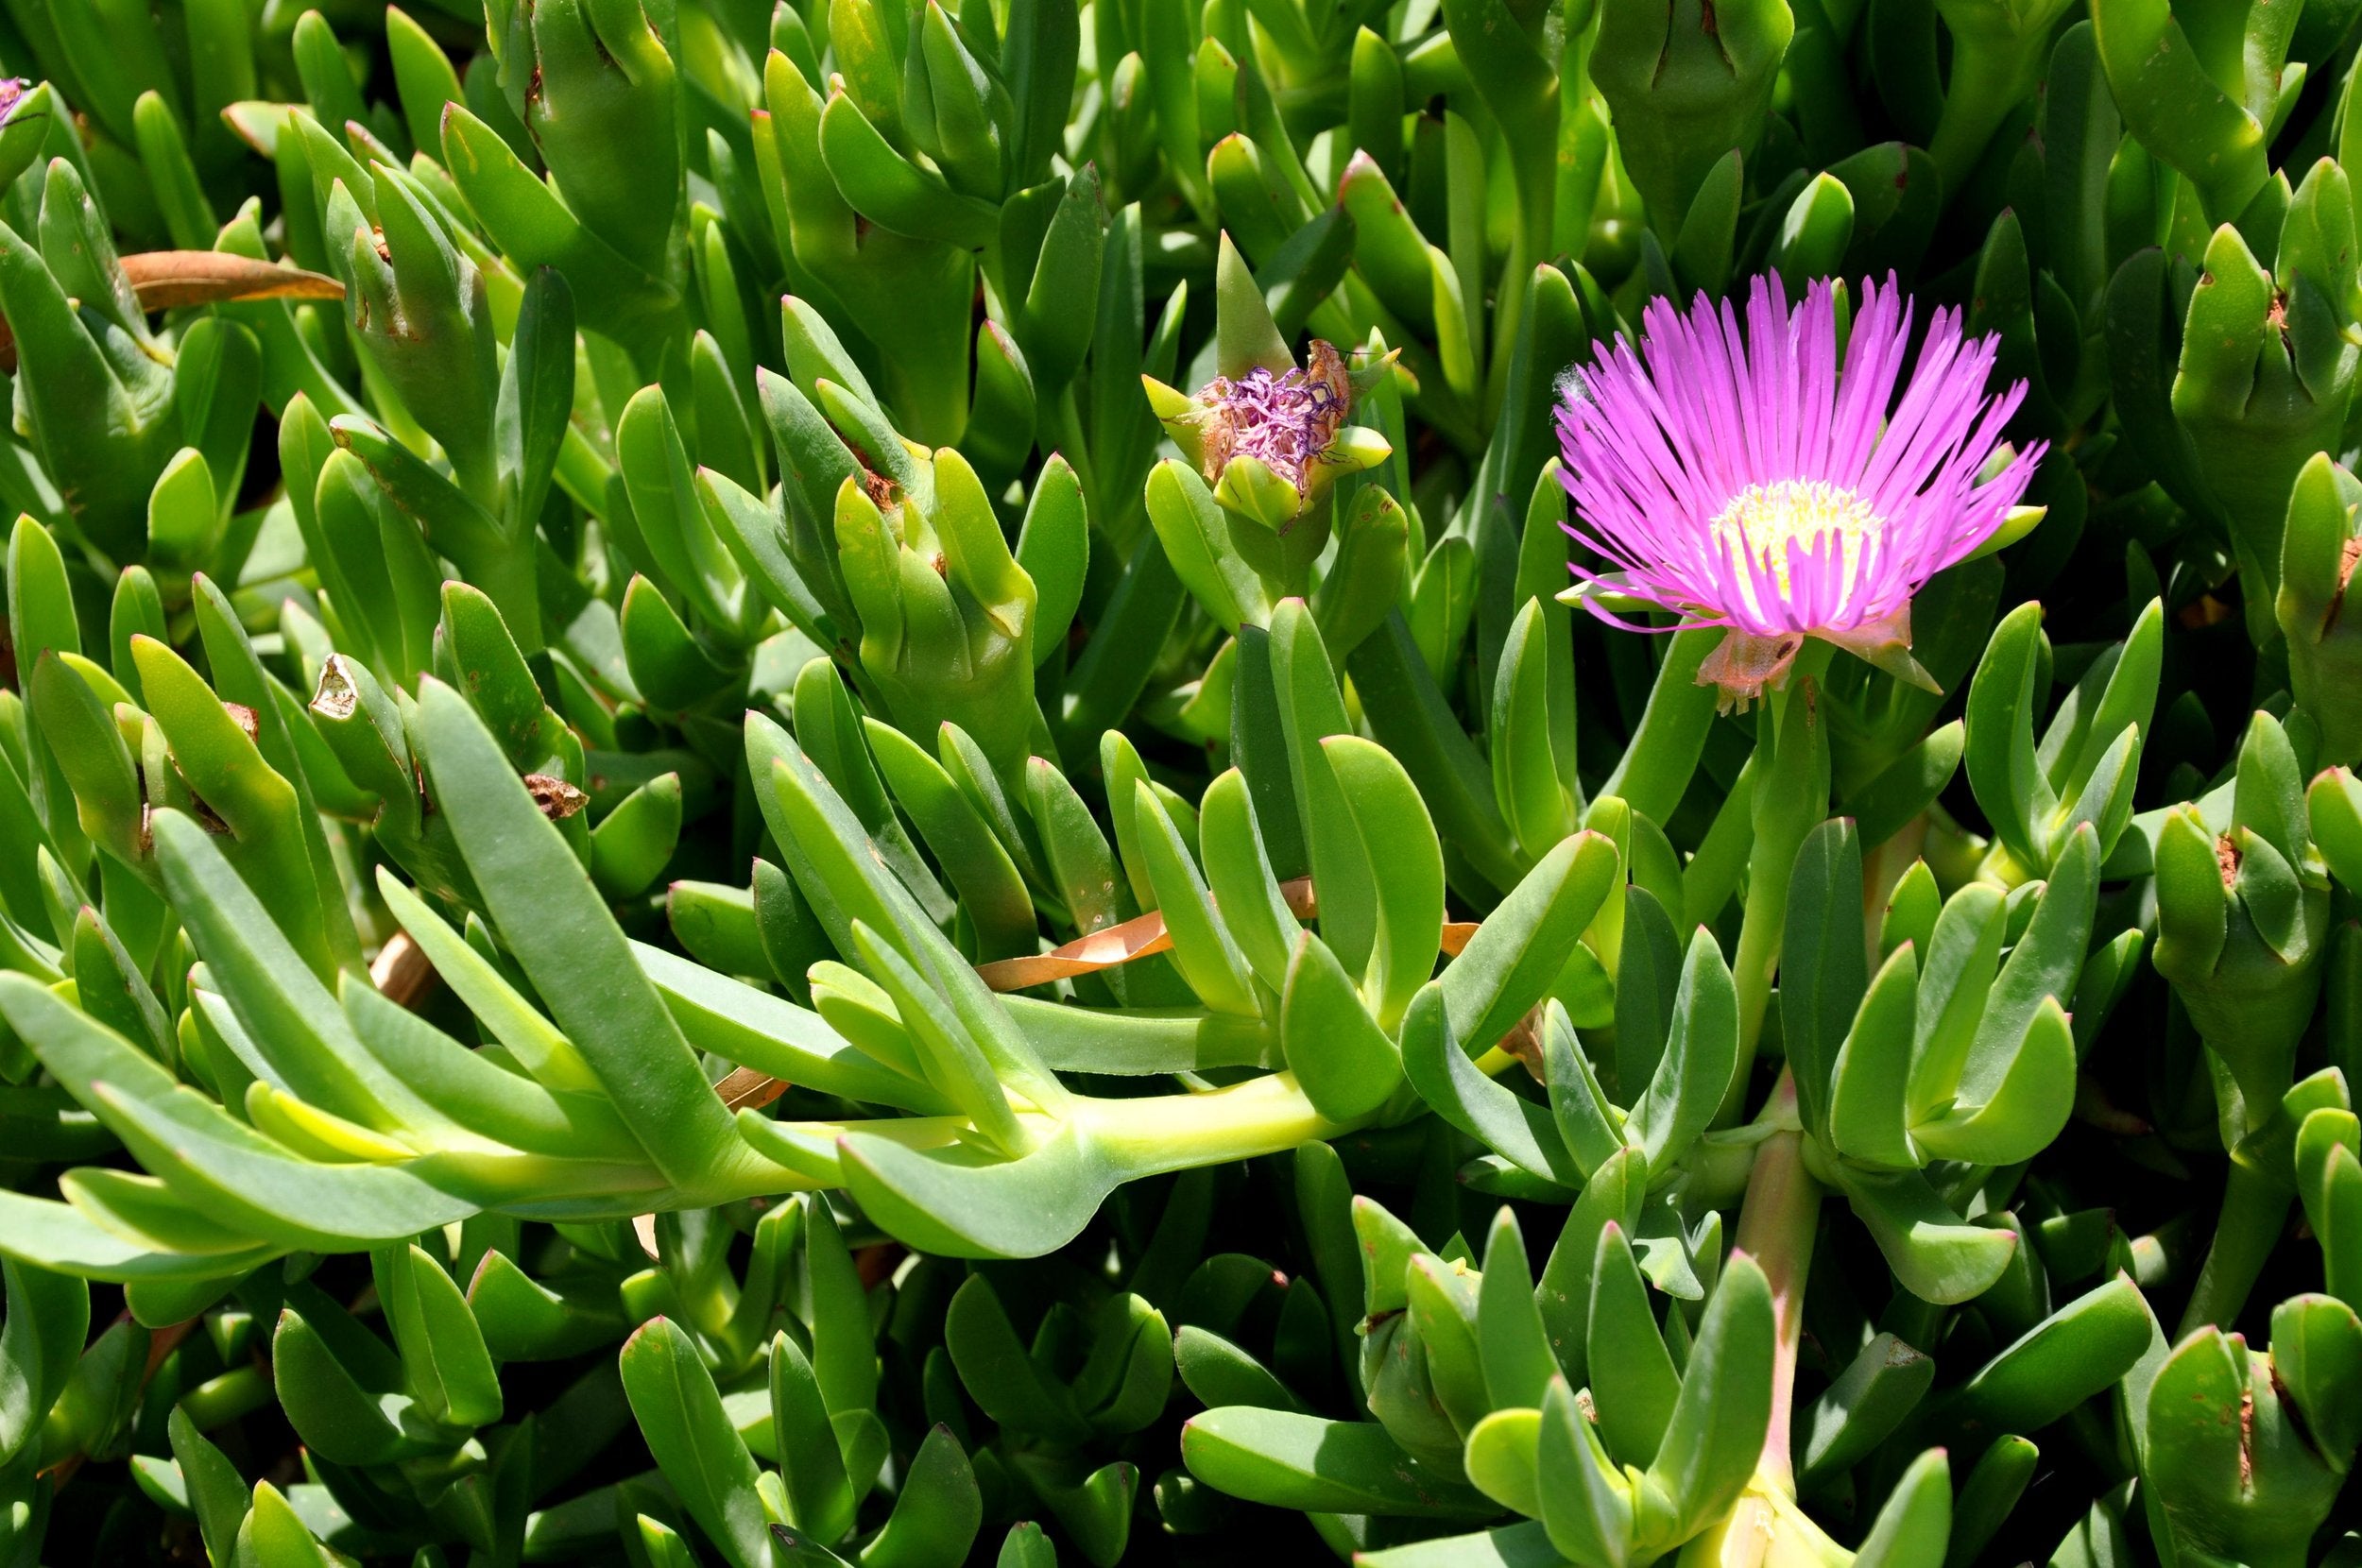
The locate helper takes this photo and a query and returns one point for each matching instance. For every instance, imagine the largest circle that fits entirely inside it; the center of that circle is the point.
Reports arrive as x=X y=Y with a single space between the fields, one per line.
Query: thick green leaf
x=1634 y=1383
x=1458 y=1090
x=1511 y=1338
x=820 y=1499
x=1297 y=1461
x=1716 y=1431
x=449 y=1371
x=1822 y=970
x=1861 y=1407
x=1346 y=1065
x=2075 y=1352
x=937 y=1513
x=556 y=923
x=1407 y=866
x=1915 y=1524
x=48 y=1321
x=1934 y=1254
x=680 y=1415
x=998 y=1373
x=1869 y=1080
x=1692 y=1077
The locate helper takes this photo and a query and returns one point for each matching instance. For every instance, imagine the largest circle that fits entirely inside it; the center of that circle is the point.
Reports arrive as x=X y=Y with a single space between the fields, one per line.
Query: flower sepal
x=1885 y=643
x=1248 y=488
x=2015 y=524
x=1611 y=591
x=1745 y=665
x=1179 y=414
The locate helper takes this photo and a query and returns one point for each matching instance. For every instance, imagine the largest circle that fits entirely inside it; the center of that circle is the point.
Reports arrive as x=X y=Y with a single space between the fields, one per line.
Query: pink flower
x=1747 y=479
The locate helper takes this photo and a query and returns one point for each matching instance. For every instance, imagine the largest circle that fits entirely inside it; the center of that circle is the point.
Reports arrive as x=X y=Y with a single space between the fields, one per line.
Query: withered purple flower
x=1271 y=442
x=1285 y=421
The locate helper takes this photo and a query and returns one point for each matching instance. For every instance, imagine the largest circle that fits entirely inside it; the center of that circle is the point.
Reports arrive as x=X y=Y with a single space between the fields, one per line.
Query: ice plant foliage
x=1761 y=477
x=794 y=782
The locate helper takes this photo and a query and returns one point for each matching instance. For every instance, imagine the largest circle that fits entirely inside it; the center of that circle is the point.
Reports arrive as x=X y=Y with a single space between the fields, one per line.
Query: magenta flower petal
x=1736 y=473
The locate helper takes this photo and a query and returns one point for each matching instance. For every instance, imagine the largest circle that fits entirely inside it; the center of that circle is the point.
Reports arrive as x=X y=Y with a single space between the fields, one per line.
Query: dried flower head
x=1748 y=479
x=1286 y=421
x=1271 y=441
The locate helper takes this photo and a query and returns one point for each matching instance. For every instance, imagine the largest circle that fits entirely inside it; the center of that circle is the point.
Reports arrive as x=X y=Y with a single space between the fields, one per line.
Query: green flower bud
x=2266 y=376
x=2242 y=924
x=1688 y=81
x=2243 y=1451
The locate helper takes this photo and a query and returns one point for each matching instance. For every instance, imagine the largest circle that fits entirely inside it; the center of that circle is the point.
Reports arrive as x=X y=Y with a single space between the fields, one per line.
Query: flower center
x=1285 y=421
x=1766 y=523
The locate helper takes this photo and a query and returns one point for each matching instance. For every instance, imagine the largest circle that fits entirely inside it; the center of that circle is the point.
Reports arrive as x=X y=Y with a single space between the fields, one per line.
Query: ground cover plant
x=1463 y=783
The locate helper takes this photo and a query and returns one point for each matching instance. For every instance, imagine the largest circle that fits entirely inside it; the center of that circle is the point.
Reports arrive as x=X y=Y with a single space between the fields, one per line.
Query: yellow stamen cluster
x=1763 y=524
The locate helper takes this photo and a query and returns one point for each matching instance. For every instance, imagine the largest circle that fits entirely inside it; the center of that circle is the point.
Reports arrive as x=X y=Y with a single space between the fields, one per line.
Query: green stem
x=1508 y=318
x=1532 y=136
x=1657 y=767
x=2254 y=1209
x=1759 y=957
x=1792 y=796
x=1262 y=1116
x=1761 y=925
x=1777 y=1224
x=1713 y=872
x=1984 y=89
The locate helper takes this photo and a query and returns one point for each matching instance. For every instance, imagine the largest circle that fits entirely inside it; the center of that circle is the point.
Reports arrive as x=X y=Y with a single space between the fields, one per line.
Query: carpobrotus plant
x=870 y=782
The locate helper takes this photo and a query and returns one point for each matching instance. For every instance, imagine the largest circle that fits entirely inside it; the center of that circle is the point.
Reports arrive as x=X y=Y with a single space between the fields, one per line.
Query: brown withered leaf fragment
x=2204 y=611
x=401 y=971
x=2247 y=1436
x=1524 y=1043
x=2348 y=553
x=1144 y=935
x=1139 y=937
x=335 y=697
x=167 y=280
x=163 y=280
x=745 y=1089
x=245 y=720
x=2094 y=1108
x=556 y=798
